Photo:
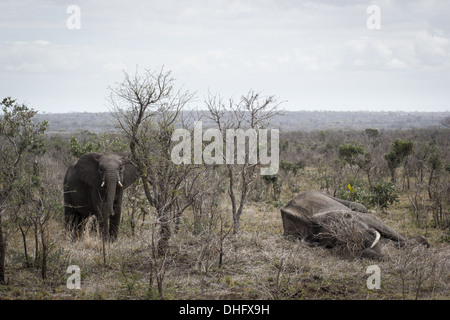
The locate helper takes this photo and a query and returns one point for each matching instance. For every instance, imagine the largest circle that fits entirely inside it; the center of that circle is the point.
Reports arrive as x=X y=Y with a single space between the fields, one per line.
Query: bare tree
x=42 y=207
x=253 y=111
x=147 y=109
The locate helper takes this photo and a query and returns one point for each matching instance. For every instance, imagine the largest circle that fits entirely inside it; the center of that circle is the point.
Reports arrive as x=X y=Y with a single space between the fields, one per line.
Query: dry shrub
x=420 y=269
x=346 y=234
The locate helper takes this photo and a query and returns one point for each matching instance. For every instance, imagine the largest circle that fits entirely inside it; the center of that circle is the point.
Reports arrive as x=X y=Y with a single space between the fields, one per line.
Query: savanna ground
x=257 y=263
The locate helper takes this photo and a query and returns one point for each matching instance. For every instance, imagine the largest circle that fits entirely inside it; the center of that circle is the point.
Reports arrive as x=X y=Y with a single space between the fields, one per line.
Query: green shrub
x=383 y=194
x=355 y=191
x=349 y=152
x=293 y=167
x=273 y=180
x=77 y=149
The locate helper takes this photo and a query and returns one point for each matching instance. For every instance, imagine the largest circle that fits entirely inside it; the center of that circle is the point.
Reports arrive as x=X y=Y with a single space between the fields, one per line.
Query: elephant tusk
x=120 y=183
x=377 y=238
x=103 y=184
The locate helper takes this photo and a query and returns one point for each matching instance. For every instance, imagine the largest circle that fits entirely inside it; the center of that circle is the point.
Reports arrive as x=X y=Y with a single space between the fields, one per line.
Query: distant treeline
x=290 y=121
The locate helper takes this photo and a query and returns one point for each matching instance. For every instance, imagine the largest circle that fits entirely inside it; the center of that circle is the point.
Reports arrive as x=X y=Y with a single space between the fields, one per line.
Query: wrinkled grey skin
x=94 y=185
x=309 y=215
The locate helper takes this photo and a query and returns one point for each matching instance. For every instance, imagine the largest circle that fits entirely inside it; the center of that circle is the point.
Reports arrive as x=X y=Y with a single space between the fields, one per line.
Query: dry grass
x=258 y=263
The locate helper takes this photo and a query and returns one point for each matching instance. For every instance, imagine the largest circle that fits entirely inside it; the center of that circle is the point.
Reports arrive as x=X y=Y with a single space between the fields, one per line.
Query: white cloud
x=41 y=56
x=208 y=62
x=26 y=67
x=396 y=64
x=375 y=54
x=114 y=66
x=432 y=49
x=315 y=60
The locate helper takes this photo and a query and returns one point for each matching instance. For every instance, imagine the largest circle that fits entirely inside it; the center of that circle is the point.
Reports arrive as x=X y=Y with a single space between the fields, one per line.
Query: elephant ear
x=87 y=168
x=130 y=173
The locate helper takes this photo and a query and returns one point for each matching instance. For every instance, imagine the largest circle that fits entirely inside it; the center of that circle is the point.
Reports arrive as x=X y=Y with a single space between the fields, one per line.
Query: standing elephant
x=318 y=218
x=94 y=185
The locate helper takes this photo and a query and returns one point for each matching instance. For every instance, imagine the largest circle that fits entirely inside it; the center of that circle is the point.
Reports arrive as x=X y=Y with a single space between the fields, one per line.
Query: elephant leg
x=103 y=225
x=354 y=206
x=74 y=223
x=70 y=215
x=68 y=219
x=80 y=225
x=417 y=240
x=114 y=222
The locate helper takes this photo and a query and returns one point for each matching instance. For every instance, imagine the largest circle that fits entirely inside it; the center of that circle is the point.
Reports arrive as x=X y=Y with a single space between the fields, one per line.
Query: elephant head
x=107 y=176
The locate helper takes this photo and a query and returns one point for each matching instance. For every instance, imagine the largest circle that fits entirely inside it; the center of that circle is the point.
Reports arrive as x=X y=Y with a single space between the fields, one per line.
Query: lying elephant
x=317 y=218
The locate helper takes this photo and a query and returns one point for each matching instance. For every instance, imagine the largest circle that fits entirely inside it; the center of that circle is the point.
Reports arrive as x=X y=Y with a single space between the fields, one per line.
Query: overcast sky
x=315 y=55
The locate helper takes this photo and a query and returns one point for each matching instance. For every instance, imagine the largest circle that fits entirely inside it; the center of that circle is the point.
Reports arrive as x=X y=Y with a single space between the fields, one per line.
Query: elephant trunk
x=111 y=185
